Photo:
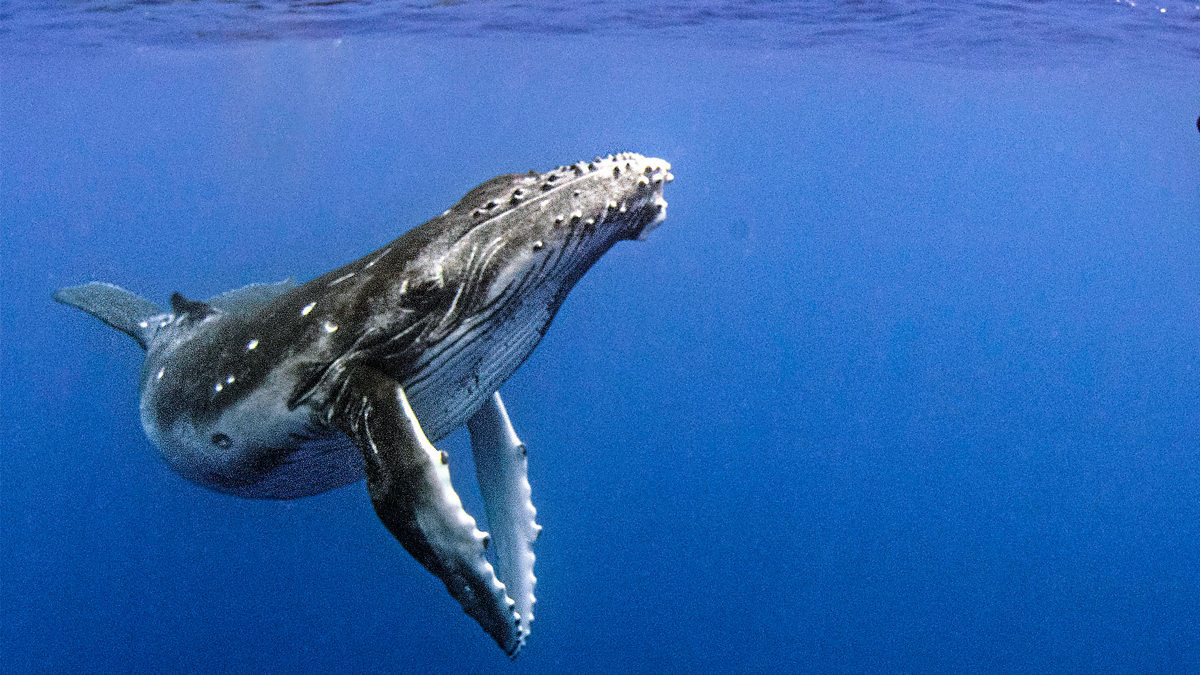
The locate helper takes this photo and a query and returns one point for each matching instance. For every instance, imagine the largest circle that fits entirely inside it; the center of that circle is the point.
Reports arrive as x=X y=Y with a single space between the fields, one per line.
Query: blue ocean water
x=908 y=380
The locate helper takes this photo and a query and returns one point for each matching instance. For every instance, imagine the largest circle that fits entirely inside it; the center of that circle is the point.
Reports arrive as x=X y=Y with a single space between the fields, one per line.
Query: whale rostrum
x=285 y=390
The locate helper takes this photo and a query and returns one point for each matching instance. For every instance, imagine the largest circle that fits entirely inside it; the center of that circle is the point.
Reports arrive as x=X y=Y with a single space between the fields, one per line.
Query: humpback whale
x=285 y=390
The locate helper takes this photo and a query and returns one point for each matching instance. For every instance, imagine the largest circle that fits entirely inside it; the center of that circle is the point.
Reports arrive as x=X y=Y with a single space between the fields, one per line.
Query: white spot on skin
x=230 y=380
x=252 y=345
x=340 y=279
x=329 y=327
x=307 y=308
x=218 y=387
x=161 y=372
x=144 y=324
x=379 y=257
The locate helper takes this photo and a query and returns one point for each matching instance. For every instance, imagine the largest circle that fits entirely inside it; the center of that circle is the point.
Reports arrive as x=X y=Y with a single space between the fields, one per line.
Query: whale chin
x=654 y=222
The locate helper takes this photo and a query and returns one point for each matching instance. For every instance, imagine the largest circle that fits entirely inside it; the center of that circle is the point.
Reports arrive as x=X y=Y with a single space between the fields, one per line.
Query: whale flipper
x=409 y=483
x=502 y=470
x=115 y=306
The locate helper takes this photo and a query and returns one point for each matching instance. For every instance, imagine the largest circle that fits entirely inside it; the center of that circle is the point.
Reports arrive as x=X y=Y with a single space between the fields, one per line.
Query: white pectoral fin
x=502 y=468
x=409 y=483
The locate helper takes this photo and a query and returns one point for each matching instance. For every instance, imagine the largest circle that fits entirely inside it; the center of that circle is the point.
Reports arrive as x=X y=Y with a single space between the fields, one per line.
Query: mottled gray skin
x=239 y=399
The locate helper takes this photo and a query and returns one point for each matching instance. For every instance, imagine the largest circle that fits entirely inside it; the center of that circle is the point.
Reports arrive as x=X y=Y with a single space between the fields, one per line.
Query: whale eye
x=221 y=441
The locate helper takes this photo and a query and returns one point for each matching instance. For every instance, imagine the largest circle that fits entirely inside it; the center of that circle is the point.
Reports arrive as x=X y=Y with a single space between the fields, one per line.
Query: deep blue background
x=909 y=379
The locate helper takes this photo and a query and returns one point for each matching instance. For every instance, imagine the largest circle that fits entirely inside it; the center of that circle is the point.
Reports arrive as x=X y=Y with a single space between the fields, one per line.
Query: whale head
x=486 y=277
x=615 y=197
x=544 y=230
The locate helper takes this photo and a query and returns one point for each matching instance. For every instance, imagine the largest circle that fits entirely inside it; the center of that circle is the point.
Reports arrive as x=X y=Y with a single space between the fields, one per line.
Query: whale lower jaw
x=653 y=224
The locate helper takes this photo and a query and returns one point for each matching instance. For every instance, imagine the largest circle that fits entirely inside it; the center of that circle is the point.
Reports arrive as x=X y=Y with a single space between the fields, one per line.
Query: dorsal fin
x=192 y=309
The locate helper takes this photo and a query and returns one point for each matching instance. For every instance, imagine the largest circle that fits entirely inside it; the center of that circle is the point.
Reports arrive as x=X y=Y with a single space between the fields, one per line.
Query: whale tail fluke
x=115 y=306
